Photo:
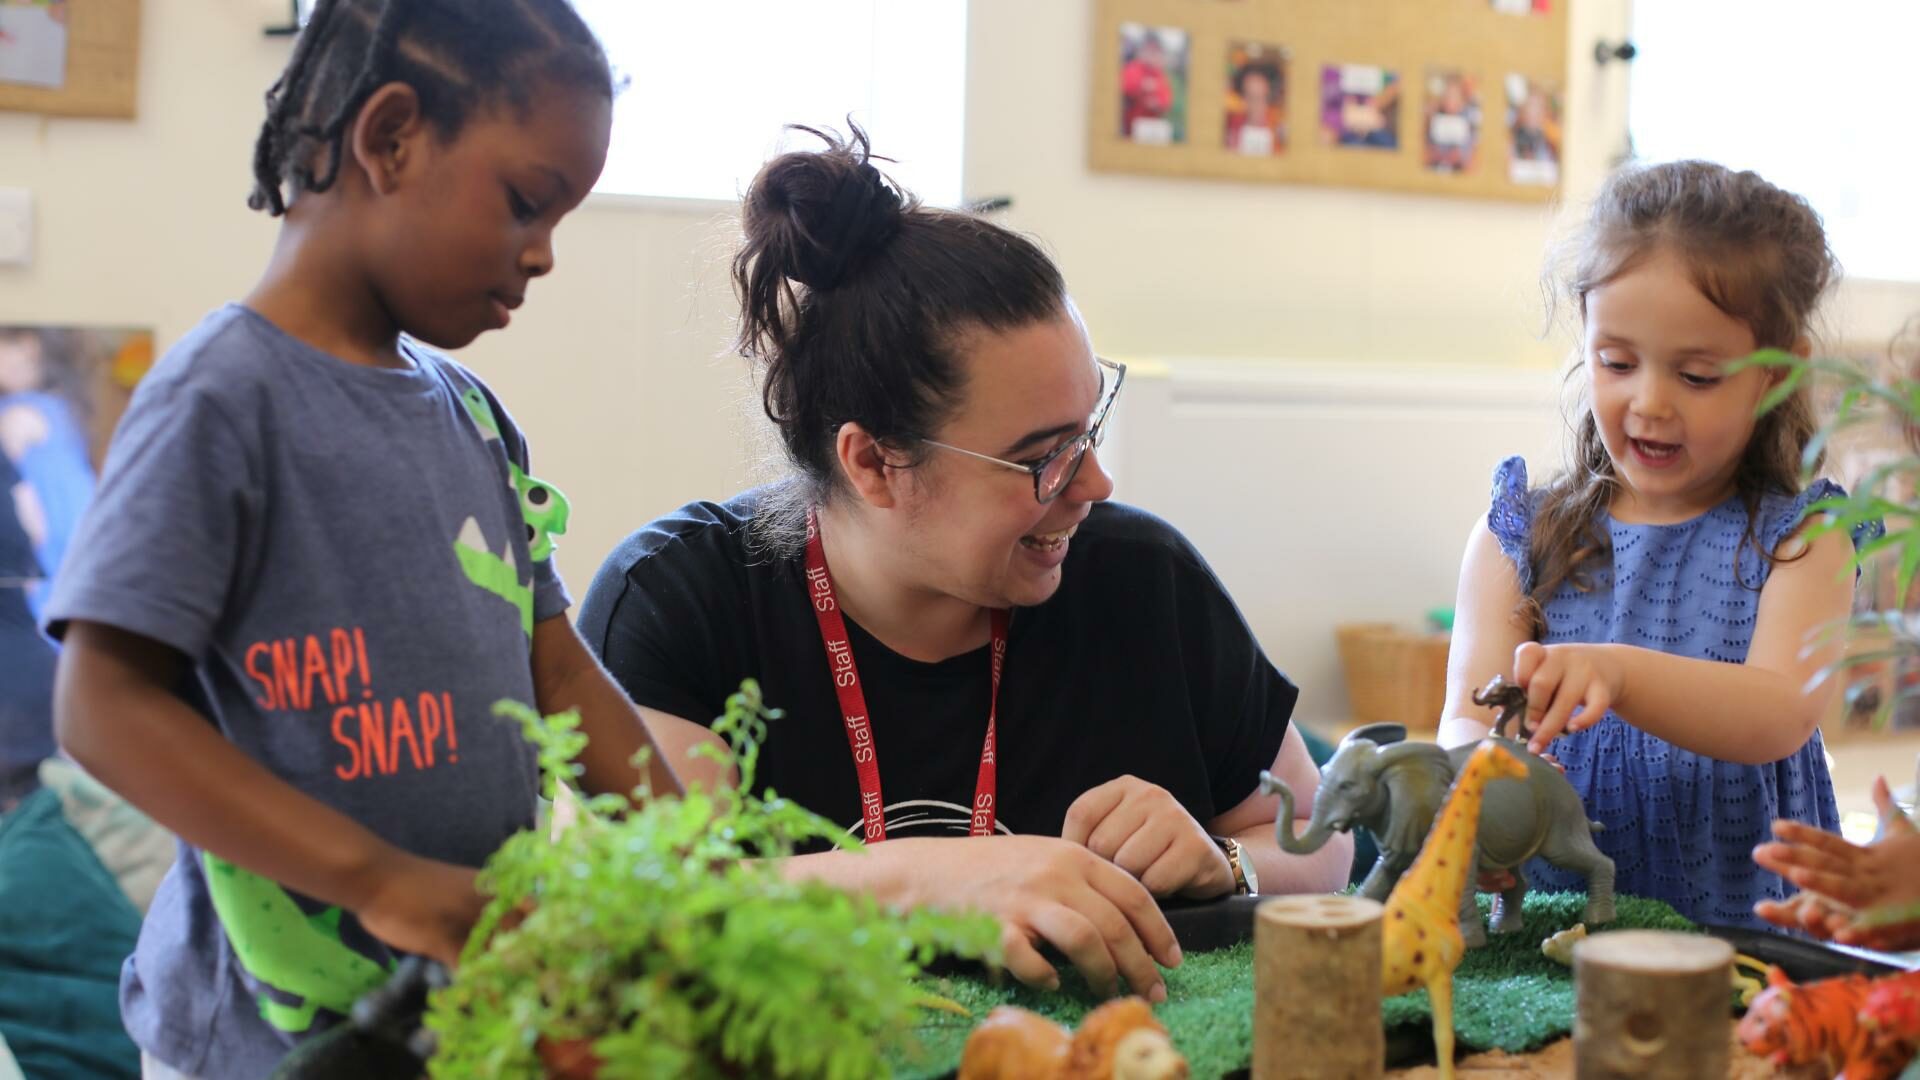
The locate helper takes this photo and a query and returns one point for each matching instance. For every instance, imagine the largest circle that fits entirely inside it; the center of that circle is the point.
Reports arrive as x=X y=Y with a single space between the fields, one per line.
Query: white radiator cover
x=1324 y=493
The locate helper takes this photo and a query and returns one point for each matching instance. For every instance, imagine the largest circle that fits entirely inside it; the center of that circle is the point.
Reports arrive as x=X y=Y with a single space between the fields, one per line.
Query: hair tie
x=864 y=215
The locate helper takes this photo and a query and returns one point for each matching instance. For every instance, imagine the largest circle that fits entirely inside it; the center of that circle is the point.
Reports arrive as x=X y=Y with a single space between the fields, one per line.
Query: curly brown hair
x=1756 y=252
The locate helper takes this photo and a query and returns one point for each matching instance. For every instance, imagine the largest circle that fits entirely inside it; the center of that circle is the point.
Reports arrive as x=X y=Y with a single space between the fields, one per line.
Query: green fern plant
x=666 y=935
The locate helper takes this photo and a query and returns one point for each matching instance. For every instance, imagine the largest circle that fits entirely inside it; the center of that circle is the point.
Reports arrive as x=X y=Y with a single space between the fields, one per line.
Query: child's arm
x=1847 y=881
x=116 y=715
x=1486 y=631
x=566 y=676
x=1752 y=713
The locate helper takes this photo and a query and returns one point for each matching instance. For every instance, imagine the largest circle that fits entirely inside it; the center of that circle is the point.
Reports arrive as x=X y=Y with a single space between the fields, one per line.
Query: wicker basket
x=1394 y=675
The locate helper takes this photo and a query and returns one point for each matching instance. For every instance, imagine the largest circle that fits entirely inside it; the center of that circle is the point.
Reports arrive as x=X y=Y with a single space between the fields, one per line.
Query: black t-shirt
x=1138 y=664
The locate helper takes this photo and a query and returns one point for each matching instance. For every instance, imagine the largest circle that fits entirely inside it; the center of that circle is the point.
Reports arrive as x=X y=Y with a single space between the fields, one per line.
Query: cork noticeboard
x=102 y=65
x=1456 y=97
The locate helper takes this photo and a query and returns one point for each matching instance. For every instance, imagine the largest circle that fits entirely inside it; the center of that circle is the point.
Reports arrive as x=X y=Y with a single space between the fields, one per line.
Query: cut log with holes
x=1316 y=989
x=1651 y=1004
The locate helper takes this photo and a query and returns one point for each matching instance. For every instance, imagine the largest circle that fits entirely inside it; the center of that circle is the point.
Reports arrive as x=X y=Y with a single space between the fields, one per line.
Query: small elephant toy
x=1392 y=788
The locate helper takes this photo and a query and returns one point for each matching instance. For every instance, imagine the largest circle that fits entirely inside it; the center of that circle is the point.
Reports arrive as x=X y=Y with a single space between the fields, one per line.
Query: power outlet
x=16 y=227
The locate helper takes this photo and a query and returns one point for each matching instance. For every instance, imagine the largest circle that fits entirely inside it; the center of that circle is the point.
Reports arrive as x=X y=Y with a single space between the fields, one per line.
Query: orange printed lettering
x=315 y=665
x=342 y=662
x=286 y=674
x=271 y=700
x=400 y=726
x=340 y=717
x=373 y=739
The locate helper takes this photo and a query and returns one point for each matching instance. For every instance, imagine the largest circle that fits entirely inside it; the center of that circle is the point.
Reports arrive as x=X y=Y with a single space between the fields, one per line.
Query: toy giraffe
x=1422 y=943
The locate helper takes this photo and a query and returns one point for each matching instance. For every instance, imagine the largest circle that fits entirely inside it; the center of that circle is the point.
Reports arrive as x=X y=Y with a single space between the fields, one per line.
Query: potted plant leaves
x=660 y=939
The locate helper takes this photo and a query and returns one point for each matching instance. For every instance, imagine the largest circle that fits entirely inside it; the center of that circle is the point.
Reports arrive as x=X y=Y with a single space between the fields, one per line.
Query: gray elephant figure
x=1393 y=789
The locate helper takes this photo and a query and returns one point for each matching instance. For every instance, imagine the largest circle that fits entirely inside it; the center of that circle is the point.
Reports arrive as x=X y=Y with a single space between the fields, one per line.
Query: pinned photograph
x=62 y=389
x=1523 y=7
x=1452 y=122
x=1256 y=99
x=1533 y=126
x=1360 y=106
x=1153 y=84
x=33 y=43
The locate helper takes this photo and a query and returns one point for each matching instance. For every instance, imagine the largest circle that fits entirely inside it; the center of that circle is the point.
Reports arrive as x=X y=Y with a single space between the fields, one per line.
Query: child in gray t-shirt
x=316 y=558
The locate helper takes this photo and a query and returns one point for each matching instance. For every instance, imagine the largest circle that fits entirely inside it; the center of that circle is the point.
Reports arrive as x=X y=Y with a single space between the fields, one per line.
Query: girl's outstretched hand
x=1857 y=895
x=1569 y=687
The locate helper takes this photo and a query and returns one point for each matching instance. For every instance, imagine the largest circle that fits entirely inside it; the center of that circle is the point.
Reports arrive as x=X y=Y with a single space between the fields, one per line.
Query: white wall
x=617 y=366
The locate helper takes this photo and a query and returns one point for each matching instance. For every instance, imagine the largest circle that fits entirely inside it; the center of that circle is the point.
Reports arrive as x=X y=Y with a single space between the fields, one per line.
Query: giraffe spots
x=1399 y=914
x=1419 y=957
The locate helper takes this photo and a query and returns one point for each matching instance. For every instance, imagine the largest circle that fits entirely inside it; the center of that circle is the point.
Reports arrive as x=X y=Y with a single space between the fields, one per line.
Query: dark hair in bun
x=854 y=298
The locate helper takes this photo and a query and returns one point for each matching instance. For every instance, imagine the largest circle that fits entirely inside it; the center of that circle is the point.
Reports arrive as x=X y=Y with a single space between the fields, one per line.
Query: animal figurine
x=1511 y=700
x=1120 y=1040
x=1559 y=947
x=1421 y=940
x=1392 y=788
x=1865 y=1028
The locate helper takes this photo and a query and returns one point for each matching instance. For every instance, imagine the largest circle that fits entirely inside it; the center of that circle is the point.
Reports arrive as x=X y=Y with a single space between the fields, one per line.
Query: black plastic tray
x=1220 y=923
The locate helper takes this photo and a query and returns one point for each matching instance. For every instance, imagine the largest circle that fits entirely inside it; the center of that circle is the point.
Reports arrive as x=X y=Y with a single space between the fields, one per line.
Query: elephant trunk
x=1318 y=830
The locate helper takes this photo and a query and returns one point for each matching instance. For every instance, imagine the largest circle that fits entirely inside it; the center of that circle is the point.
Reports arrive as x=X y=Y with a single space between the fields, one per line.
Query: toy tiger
x=1865 y=1029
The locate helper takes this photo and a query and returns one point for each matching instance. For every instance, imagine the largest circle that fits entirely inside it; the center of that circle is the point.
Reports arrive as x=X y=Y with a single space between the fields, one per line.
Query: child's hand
x=424 y=907
x=1561 y=678
x=1846 y=880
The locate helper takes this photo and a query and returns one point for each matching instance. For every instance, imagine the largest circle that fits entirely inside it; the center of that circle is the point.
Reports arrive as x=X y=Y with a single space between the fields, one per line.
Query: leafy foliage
x=1883 y=505
x=667 y=935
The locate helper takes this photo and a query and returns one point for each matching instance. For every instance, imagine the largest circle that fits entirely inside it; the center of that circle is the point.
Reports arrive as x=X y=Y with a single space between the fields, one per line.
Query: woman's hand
x=1843 y=883
x=1561 y=678
x=1044 y=890
x=1144 y=830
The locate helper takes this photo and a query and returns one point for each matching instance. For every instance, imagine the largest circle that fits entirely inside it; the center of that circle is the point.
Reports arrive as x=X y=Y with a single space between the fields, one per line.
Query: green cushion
x=65 y=928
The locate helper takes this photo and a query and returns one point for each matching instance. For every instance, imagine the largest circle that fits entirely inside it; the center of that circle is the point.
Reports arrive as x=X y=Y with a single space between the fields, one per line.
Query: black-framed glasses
x=1052 y=473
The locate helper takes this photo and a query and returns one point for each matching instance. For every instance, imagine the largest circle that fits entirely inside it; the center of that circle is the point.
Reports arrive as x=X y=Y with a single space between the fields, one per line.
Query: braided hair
x=456 y=55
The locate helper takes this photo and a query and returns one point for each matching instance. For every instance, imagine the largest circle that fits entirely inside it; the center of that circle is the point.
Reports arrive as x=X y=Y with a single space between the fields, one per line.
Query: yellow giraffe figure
x=1422 y=943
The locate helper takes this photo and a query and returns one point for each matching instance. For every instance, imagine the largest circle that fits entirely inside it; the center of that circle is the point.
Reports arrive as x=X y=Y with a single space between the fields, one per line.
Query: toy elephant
x=1392 y=788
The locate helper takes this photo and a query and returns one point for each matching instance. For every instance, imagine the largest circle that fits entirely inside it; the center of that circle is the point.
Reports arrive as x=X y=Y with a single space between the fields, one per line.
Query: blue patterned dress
x=1680 y=827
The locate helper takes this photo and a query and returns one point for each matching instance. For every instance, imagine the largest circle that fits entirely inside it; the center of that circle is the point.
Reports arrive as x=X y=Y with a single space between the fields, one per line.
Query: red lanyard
x=853 y=700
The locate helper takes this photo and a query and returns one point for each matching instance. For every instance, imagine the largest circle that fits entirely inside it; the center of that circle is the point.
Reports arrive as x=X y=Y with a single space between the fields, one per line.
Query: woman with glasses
x=1043 y=703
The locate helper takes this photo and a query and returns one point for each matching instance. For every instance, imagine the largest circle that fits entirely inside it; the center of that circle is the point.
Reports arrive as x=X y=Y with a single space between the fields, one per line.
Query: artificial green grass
x=1506 y=995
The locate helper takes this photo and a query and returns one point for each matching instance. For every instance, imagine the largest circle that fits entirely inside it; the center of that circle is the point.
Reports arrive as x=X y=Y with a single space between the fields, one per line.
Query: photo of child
x=1153 y=84
x=1452 y=122
x=1533 y=123
x=33 y=43
x=1360 y=106
x=61 y=391
x=1256 y=99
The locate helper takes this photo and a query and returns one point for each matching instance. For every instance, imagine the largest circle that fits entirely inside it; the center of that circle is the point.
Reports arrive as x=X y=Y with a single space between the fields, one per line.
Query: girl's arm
x=566 y=676
x=1486 y=631
x=1750 y=713
x=116 y=715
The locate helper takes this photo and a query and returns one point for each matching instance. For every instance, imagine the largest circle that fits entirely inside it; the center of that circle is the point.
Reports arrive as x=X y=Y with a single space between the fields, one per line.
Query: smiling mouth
x=1655 y=451
x=1048 y=542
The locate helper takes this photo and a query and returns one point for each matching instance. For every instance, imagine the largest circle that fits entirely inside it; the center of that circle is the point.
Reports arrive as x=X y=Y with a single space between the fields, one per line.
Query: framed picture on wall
x=1452 y=122
x=1256 y=102
x=1408 y=96
x=1533 y=131
x=1153 y=84
x=1360 y=106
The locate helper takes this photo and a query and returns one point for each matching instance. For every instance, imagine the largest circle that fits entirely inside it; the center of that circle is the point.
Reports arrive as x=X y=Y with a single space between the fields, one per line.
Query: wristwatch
x=1245 y=882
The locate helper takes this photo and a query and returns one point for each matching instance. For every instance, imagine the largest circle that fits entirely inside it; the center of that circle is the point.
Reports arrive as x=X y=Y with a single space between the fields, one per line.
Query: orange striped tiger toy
x=1866 y=1029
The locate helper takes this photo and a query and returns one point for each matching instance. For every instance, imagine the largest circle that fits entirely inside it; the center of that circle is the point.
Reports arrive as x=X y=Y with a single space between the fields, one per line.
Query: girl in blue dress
x=1662 y=601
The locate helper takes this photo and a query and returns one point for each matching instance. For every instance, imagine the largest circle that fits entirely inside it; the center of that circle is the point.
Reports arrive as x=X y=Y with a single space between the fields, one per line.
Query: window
x=714 y=82
x=1817 y=98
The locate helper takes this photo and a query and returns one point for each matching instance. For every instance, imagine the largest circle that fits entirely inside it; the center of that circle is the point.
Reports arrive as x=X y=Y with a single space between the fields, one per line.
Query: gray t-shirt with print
x=346 y=555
